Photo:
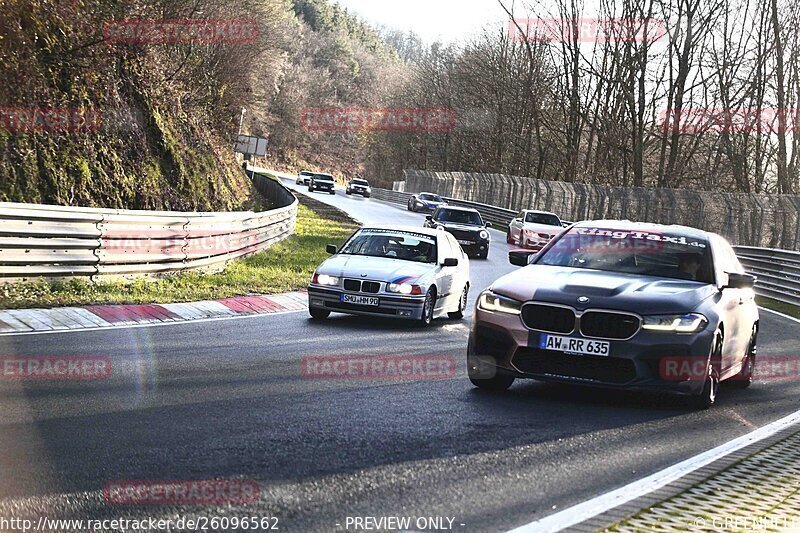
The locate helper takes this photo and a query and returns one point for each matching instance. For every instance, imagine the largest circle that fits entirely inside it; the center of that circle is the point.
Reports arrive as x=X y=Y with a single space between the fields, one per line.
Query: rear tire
x=462 y=305
x=318 y=314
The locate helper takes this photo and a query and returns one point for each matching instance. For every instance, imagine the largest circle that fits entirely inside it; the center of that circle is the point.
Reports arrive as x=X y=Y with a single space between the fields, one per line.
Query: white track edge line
x=787 y=317
x=600 y=504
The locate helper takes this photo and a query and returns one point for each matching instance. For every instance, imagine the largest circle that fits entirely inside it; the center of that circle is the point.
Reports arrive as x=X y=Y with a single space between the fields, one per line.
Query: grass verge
x=286 y=266
x=786 y=309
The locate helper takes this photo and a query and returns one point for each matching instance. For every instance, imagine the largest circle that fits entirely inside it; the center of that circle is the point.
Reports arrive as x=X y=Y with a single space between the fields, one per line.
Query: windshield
x=323 y=177
x=645 y=253
x=360 y=182
x=395 y=245
x=306 y=173
x=430 y=197
x=543 y=218
x=458 y=216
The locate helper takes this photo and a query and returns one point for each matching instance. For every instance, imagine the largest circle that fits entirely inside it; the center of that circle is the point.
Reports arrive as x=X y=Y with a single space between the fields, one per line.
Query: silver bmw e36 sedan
x=403 y=272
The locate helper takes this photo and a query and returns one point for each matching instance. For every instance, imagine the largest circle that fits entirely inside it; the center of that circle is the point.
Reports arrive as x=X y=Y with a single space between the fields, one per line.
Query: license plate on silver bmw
x=575 y=346
x=360 y=300
x=466 y=242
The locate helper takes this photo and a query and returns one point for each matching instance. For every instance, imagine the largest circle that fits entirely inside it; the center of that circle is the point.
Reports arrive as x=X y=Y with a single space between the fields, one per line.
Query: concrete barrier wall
x=762 y=220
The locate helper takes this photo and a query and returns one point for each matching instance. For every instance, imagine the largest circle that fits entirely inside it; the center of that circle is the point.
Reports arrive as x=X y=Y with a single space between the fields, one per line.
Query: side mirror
x=740 y=281
x=520 y=257
x=450 y=262
x=488 y=224
x=331 y=249
x=429 y=217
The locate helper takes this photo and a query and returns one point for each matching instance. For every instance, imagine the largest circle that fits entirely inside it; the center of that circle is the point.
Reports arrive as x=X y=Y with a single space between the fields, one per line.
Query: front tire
x=318 y=314
x=427 y=308
x=744 y=379
x=495 y=383
x=462 y=305
x=708 y=396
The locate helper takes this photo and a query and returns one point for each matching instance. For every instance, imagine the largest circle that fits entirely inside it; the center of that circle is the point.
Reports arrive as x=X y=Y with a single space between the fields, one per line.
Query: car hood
x=607 y=290
x=375 y=268
x=542 y=228
x=461 y=227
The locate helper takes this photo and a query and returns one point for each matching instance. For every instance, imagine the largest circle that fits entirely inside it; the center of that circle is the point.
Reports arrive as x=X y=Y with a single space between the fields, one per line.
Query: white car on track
x=403 y=272
x=533 y=229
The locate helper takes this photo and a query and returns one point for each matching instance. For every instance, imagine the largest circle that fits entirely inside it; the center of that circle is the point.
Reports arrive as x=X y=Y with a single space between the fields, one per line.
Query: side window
x=733 y=262
x=457 y=251
x=725 y=259
x=444 y=246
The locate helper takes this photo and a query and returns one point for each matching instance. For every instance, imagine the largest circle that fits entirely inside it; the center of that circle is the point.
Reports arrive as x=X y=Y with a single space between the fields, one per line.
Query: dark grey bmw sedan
x=622 y=305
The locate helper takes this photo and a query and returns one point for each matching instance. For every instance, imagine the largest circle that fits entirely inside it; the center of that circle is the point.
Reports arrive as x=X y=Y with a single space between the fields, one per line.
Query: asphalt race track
x=226 y=399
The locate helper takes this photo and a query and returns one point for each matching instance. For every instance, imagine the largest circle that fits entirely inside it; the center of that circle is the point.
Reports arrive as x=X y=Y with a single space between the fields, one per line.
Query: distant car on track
x=622 y=305
x=322 y=182
x=359 y=186
x=304 y=177
x=466 y=225
x=425 y=201
x=533 y=229
x=408 y=273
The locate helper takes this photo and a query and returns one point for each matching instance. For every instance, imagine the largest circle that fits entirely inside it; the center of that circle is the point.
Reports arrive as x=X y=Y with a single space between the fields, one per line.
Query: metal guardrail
x=778 y=271
x=61 y=242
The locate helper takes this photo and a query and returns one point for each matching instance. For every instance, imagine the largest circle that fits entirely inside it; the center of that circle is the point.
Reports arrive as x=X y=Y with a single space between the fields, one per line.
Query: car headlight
x=489 y=301
x=688 y=323
x=404 y=288
x=484 y=234
x=324 y=279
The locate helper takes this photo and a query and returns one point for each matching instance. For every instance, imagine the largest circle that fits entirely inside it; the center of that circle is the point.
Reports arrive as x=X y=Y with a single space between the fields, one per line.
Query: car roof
x=646 y=226
x=537 y=212
x=307 y=172
x=408 y=229
x=459 y=208
x=430 y=193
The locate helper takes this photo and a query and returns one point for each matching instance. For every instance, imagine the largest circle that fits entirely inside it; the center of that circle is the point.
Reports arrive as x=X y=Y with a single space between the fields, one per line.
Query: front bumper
x=362 y=192
x=500 y=343
x=323 y=187
x=476 y=248
x=330 y=299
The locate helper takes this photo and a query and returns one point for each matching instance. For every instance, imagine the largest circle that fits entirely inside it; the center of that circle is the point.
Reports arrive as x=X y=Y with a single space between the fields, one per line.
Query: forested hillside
x=613 y=111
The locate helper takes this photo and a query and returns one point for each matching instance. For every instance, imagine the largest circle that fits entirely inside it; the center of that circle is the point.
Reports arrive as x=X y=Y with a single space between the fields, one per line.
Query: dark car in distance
x=425 y=201
x=322 y=182
x=466 y=225
x=622 y=305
